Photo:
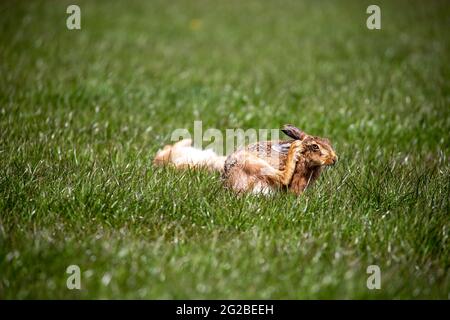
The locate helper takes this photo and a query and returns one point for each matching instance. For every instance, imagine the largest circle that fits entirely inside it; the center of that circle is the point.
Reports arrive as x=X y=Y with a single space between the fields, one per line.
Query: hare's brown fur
x=261 y=167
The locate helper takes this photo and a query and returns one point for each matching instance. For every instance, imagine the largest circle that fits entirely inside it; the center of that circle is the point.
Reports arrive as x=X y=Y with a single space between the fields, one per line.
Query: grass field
x=82 y=113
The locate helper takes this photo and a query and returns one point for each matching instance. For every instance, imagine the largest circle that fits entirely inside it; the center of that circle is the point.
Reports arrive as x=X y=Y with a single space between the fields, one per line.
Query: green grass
x=83 y=112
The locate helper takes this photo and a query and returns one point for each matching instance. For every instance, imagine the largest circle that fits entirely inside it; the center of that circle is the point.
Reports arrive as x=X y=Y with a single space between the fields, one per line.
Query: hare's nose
x=335 y=159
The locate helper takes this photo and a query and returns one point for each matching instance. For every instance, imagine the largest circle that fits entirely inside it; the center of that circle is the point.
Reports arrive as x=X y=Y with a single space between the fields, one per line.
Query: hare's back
x=274 y=152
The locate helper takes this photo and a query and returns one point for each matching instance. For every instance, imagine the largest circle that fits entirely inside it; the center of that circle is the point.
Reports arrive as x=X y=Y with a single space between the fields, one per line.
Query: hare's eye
x=315 y=147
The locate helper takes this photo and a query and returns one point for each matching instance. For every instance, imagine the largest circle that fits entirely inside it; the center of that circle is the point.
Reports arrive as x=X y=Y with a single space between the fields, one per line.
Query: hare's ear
x=293 y=132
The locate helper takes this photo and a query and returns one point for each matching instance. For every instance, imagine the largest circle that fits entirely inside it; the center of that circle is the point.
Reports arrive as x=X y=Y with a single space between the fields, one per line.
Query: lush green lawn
x=83 y=112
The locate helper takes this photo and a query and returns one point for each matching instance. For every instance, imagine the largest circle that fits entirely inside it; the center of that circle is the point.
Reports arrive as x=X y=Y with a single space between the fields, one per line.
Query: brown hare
x=261 y=167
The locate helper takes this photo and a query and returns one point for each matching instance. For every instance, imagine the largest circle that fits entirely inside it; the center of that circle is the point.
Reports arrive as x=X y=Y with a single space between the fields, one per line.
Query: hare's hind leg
x=264 y=171
x=165 y=155
x=293 y=155
x=183 y=143
x=247 y=172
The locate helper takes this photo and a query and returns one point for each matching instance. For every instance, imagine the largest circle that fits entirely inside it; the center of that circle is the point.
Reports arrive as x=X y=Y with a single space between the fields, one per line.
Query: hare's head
x=316 y=151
